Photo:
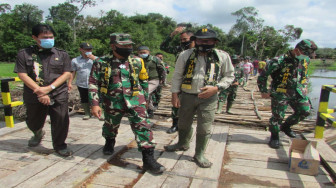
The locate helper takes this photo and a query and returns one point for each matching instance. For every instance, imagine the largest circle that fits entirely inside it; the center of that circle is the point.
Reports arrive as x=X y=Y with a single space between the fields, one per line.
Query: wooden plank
x=176 y=181
x=29 y=171
x=46 y=175
x=215 y=151
x=245 y=170
x=201 y=183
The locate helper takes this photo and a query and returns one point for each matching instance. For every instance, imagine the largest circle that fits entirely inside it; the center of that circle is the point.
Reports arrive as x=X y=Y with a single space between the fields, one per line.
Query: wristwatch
x=52 y=87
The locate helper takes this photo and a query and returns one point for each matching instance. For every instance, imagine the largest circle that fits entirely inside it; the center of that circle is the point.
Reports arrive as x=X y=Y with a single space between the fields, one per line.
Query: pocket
x=56 y=67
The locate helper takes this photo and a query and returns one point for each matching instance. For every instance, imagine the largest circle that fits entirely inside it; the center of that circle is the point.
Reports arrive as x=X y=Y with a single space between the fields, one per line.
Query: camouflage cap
x=235 y=59
x=120 y=38
x=205 y=33
x=307 y=46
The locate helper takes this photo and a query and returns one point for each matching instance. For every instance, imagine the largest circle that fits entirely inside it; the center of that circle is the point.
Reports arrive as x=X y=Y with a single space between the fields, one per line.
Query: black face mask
x=124 y=52
x=185 y=45
x=204 y=48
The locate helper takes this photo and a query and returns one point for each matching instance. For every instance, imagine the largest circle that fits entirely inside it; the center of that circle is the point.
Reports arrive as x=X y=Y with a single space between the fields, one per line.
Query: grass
x=6 y=70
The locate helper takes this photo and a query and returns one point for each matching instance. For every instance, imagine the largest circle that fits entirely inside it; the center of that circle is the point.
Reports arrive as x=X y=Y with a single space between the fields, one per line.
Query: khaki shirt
x=225 y=77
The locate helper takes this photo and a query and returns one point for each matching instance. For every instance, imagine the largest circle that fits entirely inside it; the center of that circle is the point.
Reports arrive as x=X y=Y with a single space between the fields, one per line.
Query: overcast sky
x=317 y=18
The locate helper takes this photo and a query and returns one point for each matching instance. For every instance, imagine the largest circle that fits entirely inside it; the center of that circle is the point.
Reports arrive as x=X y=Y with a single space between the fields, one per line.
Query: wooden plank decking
x=239 y=152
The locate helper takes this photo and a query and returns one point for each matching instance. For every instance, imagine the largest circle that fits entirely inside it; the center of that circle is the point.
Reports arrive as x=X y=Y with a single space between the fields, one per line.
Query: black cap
x=86 y=46
x=205 y=33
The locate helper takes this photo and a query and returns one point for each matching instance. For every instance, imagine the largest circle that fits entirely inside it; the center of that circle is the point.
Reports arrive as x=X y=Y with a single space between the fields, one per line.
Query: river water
x=317 y=79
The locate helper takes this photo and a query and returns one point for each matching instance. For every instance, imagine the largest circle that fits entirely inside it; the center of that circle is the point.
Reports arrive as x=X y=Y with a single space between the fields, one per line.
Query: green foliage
x=72 y=28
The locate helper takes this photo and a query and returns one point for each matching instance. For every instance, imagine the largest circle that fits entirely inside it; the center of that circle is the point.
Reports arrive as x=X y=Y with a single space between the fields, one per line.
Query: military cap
x=121 y=38
x=205 y=33
x=86 y=46
x=235 y=58
x=306 y=45
x=143 y=48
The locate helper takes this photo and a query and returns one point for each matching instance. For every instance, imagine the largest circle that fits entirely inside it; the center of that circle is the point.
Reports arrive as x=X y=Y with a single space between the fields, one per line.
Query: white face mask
x=143 y=55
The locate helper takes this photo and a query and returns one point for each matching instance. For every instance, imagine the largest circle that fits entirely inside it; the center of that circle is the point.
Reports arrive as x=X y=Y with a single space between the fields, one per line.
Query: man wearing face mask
x=81 y=66
x=44 y=70
x=288 y=87
x=185 y=44
x=121 y=81
x=200 y=73
x=156 y=74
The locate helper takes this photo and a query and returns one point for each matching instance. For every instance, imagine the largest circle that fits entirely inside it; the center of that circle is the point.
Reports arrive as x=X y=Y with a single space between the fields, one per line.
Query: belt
x=195 y=94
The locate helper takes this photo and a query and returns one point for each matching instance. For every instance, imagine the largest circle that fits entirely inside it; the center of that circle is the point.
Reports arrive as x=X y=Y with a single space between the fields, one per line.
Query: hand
x=96 y=111
x=235 y=83
x=207 y=92
x=265 y=95
x=44 y=100
x=42 y=91
x=92 y=57
x=69 y=86
x=177 y=31
x=175 y=100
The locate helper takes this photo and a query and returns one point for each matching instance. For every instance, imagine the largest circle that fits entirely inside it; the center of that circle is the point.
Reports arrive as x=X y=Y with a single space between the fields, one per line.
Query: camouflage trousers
x=279 y=103
x=140 y=125
x=228 y=94
x=156 y=96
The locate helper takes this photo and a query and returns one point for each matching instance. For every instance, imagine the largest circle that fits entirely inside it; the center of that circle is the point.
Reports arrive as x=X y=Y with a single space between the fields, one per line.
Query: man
x=255 y=67
x=156 y=75
x=121 y=81
x=82 y=66
x=156 y=96
x=288 y=87
x=185 y=43
x=200 y=73
x=44 y=71
x=230 y=93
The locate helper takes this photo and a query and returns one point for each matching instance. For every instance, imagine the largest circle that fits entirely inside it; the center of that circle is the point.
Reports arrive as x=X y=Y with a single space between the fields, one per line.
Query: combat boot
x=36 y=139
x=109 y=146
x=183 y=141
x=228 y=107
x=199 y=158
x=174 y=127
x=86 y=111
x=287 y=130
x=220 y=107
x=274 y=141
x=149 y=163
x=150 y=113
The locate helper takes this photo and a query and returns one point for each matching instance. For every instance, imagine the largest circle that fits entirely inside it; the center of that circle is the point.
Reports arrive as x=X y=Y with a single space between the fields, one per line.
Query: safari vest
x=211 y=72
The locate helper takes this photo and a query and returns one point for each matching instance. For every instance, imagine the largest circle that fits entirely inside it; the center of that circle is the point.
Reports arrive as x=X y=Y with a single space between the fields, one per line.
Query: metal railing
x=324 y=113
x=7 y=103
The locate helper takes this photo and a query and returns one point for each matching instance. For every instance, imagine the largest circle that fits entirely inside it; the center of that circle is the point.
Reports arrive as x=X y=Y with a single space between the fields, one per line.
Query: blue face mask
x=47 y=43
x=143 y=55
x=88 y=53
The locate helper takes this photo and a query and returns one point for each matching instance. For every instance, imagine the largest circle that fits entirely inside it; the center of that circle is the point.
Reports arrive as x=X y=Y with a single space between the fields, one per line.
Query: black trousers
x=59 y=117
x=84 y=94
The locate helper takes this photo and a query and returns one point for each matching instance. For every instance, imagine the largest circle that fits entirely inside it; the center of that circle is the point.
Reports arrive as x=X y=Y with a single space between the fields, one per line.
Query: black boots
x=174 y=126
x=149 y=163
x=150 y=113
x=109 y=146
x=274 y=141
x=287 y=130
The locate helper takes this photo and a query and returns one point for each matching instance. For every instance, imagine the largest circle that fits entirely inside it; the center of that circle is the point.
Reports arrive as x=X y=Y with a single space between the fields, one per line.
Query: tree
x=4 y=8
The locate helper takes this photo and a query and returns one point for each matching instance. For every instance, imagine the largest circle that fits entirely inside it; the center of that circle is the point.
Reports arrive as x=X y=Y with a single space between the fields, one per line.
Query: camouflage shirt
x=289 y=75
x=167 y=47
x=117 y=82
x=239 y=74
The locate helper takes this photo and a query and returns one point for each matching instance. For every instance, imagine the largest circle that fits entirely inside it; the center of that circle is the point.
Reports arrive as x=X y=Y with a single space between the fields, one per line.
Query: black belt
x=195 y=94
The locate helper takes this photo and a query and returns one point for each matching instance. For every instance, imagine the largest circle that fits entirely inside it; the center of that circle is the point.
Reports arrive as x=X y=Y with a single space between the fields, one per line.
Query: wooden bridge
x=238 y=149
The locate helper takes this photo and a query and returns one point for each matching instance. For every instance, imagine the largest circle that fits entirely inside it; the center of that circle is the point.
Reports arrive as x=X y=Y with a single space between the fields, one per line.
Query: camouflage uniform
x=156 y=96
x=230 y=93
x=289 y=82
x=123 y=93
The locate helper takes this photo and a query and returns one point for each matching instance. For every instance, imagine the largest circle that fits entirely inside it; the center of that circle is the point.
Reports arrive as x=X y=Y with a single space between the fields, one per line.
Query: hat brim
x=125 y=42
